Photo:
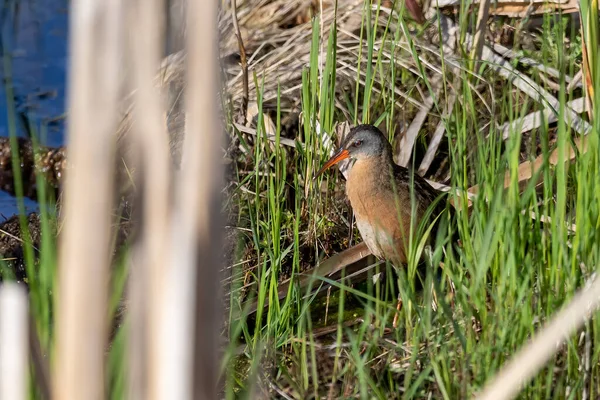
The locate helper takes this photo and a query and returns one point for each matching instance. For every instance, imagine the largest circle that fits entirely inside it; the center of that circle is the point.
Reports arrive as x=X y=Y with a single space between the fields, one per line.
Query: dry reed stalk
x=151 y=158
x=187 y=329
x=176 y=25
x=527 y=362
x=546 y=69
x=13 y=342
x=479 y=39
x=81 y=332
x=203 y=173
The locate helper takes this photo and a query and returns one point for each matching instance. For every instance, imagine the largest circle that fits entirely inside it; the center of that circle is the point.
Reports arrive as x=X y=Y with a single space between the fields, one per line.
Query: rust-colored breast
x=383 y=215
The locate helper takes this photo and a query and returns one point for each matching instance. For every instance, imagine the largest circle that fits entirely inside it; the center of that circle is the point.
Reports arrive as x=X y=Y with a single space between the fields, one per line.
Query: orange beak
x=339 y=156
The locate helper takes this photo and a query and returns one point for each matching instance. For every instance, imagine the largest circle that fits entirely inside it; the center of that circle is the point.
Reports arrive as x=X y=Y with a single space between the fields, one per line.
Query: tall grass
x=40 y=269
x=512 y=273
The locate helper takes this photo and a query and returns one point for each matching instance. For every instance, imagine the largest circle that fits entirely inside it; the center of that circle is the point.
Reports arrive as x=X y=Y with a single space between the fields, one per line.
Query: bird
x=381 y=195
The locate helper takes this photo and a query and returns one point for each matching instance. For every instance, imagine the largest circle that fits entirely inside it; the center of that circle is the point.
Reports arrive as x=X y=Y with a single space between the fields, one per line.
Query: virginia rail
x=380 y=194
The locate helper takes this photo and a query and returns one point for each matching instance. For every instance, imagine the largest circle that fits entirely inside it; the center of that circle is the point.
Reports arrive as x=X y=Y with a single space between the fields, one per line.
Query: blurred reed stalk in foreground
x=13 y=341
x=173 y=285
x=82 y=327
x=151 y=161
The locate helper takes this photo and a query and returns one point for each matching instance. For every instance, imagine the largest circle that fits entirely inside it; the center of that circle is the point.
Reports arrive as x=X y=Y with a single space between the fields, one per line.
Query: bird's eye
x=357 y=143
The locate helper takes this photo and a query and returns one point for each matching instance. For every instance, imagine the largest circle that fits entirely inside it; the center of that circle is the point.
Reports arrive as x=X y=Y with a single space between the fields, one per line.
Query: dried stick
x=509 y=53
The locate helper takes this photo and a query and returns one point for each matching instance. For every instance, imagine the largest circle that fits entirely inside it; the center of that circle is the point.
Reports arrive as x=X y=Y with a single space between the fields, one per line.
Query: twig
x=523 y=82
x=243 y=61
x=576 y=81
x=531 y=358
x=18 y=239
x=518 y=9
x=528 y=169
x=571 y=228
x=272 y=138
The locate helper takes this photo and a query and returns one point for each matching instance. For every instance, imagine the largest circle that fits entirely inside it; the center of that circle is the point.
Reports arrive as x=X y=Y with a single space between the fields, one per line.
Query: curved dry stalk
x=325 y=268
x=527 y=362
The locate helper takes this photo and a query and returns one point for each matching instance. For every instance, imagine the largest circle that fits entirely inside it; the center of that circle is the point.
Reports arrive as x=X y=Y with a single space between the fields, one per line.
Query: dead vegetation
x=430 y=62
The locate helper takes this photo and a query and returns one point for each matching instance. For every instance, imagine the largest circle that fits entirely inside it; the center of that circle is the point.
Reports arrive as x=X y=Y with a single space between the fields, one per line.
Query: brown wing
x=425 y=195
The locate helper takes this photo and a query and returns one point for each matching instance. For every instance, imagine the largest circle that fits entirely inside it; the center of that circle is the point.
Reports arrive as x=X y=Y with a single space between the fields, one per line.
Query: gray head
x=362 y=142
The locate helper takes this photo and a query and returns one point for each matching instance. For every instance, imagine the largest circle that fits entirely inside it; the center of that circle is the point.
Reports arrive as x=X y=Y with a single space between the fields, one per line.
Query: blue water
x=36 y=38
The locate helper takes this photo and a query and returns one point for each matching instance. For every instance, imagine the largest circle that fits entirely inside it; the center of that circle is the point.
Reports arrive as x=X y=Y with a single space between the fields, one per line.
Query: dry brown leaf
x=528 y=169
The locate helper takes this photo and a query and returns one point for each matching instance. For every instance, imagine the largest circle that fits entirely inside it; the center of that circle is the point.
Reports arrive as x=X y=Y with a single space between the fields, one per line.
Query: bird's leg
x=397 y=314
x=451 y=284
x=428 y=254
